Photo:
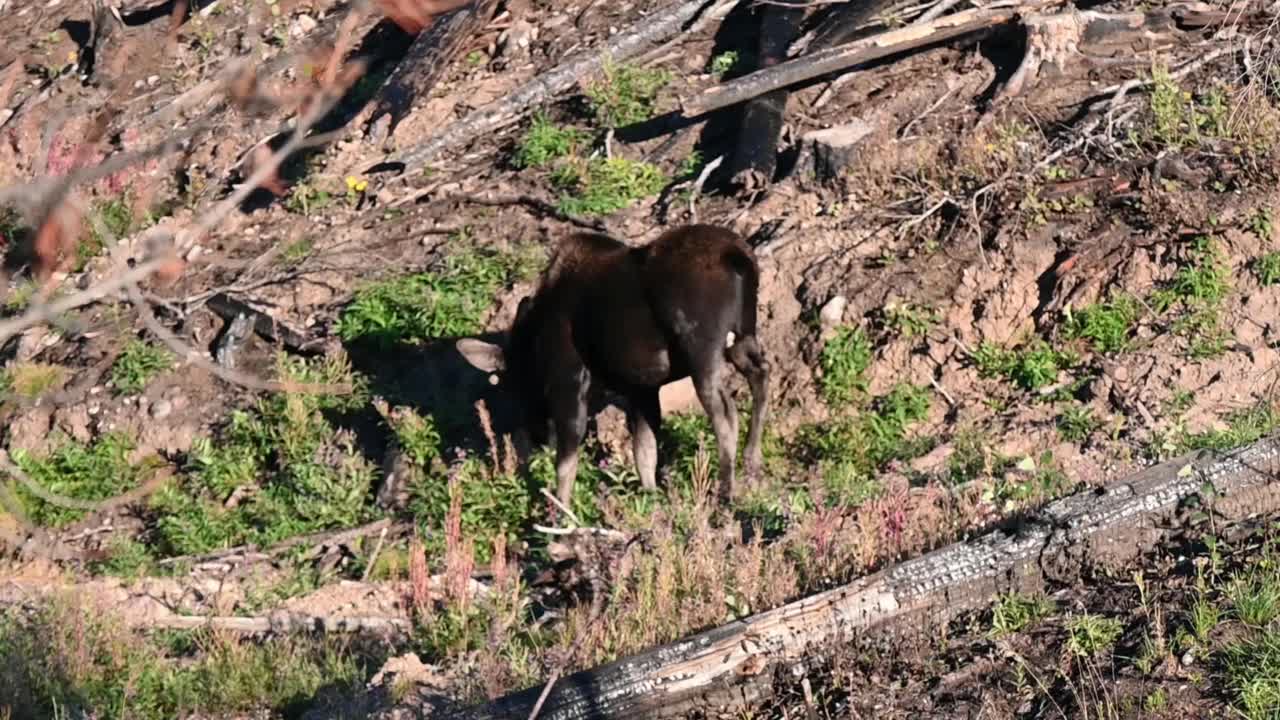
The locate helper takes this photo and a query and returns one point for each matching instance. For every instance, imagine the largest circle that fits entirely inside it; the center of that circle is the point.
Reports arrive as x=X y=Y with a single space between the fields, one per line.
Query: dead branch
x=856 y=52
x=281 y=622
x=650 y=29
x=327 y=537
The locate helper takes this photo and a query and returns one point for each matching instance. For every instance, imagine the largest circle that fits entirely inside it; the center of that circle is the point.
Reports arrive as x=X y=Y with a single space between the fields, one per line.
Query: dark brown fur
x=629 y=320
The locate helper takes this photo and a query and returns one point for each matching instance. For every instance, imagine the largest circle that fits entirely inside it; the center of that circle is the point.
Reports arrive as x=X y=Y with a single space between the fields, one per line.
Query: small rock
x=161 y=409
x=832 y=313
x=306 y=23
x=152 y=80
x=1187 y=658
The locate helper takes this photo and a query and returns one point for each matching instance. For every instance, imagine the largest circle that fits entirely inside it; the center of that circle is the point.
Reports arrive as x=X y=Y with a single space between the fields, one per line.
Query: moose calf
x=629 y=320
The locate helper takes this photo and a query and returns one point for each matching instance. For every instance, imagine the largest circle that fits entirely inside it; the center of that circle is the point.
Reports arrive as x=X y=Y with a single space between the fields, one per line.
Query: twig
x=697 y=185
x=942 y=391
x=606 y=533
x=563 y=508
x=373 y=557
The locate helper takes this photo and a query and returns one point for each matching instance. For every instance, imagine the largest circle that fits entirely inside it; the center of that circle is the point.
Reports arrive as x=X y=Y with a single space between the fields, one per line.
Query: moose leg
x=718 y=403
x=749 y=359
x=645 y=418
x=569 y=418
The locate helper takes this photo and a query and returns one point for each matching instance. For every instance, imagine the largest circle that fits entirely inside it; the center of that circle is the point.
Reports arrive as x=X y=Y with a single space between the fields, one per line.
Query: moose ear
x=483 y=356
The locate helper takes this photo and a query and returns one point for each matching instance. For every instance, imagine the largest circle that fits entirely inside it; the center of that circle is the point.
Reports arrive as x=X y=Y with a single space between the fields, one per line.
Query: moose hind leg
x=749 y=359
x=645 y=418
x=719 y=406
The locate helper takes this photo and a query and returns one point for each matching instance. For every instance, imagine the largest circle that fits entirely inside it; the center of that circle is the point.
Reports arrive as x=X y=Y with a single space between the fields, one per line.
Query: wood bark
x=755 y=156
x=1095 y=527
x=651 y=29
x=877 y=46
x=425 y=64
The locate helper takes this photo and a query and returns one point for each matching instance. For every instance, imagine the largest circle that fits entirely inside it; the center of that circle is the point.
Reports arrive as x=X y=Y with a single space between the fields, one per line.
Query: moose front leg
x=569 y=419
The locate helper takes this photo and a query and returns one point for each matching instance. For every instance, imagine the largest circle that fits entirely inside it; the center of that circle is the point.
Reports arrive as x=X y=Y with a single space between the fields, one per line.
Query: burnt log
x=1095 y=528
x=430 y=55
x=755 y=156
x=650 y=30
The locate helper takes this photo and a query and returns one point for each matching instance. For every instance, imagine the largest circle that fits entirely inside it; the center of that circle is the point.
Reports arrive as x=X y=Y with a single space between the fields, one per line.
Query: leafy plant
x=1267 y=268
x=94 y=471
x=1107 y=325
x=447 y=302
x=600 y=186
x=724 y=62
x=1090 y=634
x=1030 y=368
x=137 y=364
x=546 y=141
x=626 y=94
x=1077 y=423
x=1015 y=612
x=845 y=358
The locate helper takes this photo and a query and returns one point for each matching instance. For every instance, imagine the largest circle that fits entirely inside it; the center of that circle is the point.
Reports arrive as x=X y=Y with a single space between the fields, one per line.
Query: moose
x=610 y=317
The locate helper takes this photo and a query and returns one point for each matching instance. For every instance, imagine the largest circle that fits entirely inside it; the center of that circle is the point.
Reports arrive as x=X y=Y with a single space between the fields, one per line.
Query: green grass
x=1015 y=612
x=95 y=471
x=1255 y=596
x=1107 y=325
x=1198 y=288
x=450 y=301
x=850 y=450
x=1089 y=634
x=136 y=365
x=1243 y=428
x=1041 y=481
x=1252 y=670
x=1030 y=368
x=303 y=473
x=625 y=95
x=599 y=186
x=845 y=359
x=1267 y=269
x=116 y=215
x=1077 y=423
x=76 y=661
x=546 y=142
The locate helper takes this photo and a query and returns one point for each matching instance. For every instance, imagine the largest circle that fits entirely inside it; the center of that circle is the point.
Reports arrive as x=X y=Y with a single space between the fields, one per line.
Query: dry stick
x=853 y=53
x=282 y=622
x=373 y=557
x=522 y=100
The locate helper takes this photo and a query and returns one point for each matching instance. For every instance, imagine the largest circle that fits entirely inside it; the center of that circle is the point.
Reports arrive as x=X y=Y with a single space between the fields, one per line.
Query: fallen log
x=424 y=64
x=1098 y=527
x=857 y=52
x=651 y=29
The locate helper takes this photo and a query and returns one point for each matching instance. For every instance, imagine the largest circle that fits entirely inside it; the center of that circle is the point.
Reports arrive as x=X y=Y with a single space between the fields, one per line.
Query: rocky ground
x=988 y=304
